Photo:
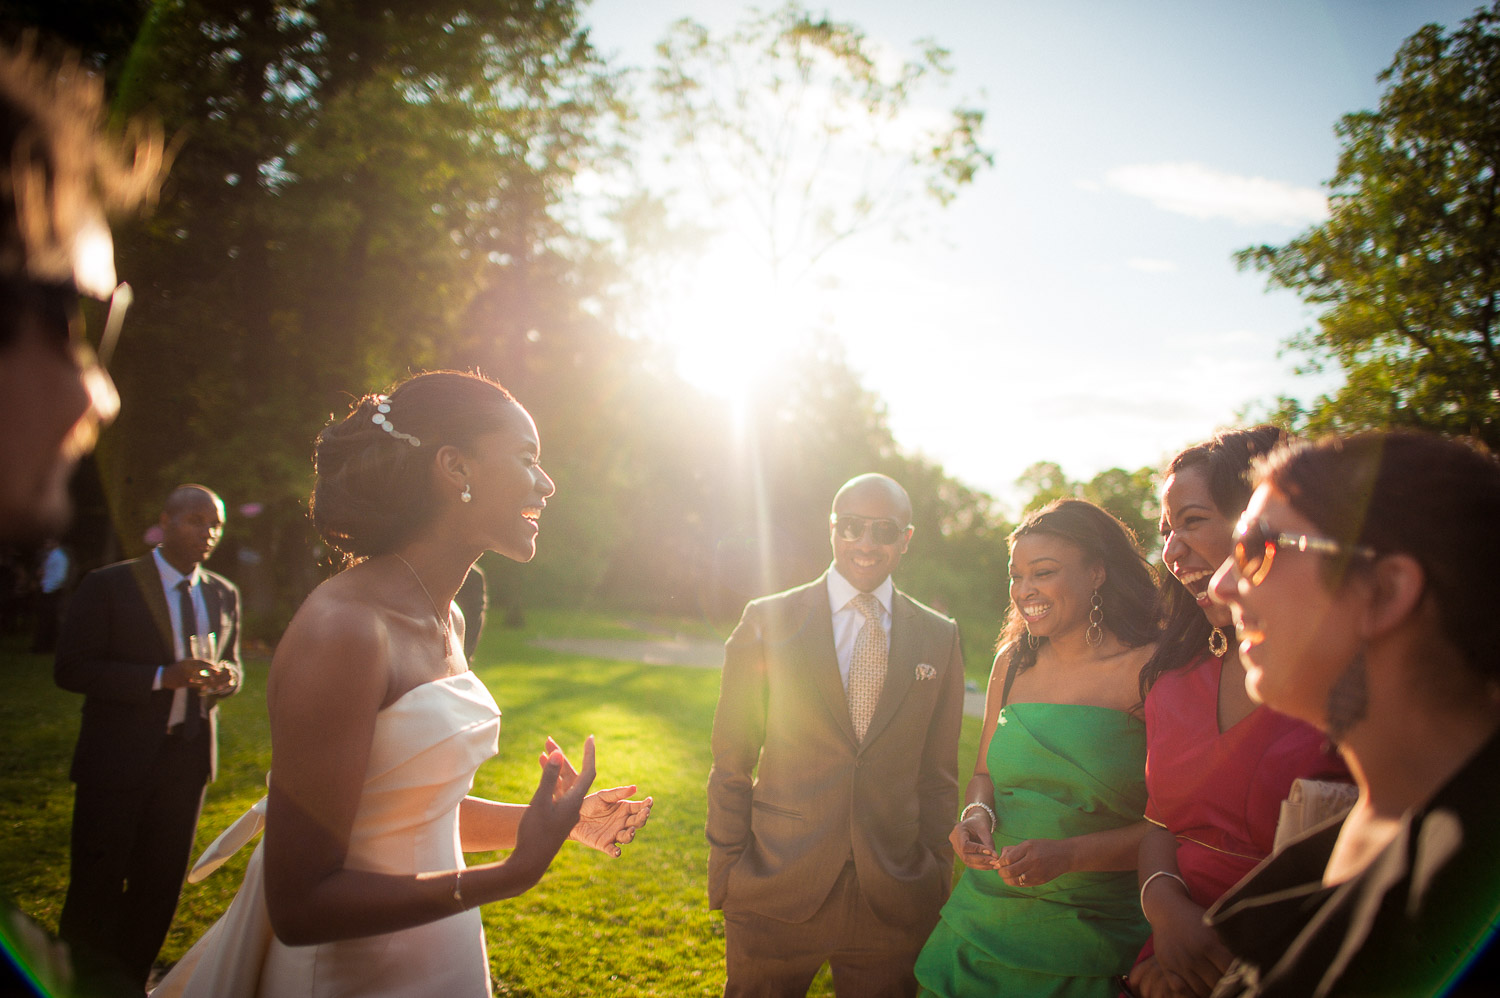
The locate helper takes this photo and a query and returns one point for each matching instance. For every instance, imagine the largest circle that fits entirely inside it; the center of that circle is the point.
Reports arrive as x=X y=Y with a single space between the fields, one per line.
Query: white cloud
x=1194 y=189
x=1147 y=265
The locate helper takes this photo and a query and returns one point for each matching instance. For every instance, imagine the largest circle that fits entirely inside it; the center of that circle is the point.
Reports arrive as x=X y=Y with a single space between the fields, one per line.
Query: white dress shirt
x=170 y=577
x=847 y=620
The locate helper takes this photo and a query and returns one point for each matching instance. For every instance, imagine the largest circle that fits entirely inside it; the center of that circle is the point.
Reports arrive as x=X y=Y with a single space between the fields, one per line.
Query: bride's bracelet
x=964 y=814
x=458 y=893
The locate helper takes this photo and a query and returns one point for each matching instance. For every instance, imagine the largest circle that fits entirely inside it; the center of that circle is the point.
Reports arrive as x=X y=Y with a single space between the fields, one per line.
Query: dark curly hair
x=373 y=490
x=1429 y=497
x=1228 y=460
x=1129 y=589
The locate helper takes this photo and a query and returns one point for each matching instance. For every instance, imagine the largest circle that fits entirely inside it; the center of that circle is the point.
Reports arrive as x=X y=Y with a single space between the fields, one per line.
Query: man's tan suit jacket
x=780 y=834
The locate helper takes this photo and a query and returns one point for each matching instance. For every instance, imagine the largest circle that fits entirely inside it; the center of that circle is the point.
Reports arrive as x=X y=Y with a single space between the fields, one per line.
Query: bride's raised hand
x=553 y=812
x=607 y=818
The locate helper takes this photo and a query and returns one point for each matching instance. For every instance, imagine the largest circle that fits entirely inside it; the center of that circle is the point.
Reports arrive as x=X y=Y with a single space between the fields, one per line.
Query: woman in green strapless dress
x=1047 y=905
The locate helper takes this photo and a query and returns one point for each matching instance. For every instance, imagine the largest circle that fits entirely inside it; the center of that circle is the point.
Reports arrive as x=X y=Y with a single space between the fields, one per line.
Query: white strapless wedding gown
x=426 y=748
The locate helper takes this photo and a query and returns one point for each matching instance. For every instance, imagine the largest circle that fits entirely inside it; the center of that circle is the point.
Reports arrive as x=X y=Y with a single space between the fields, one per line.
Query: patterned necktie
x=866 y=665
x=191 y=721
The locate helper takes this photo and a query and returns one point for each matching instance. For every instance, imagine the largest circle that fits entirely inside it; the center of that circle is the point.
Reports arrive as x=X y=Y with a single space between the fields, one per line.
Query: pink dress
x=1219 y=793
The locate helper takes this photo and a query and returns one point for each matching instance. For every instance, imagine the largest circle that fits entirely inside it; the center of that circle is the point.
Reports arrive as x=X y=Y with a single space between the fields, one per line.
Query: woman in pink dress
x=1217 y=765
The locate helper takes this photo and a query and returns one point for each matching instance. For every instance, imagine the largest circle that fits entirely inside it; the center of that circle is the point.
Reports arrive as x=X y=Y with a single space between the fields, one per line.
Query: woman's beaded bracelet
x=964 y=814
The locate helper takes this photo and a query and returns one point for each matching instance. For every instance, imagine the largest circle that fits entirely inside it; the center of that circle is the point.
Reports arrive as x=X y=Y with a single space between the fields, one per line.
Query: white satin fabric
x=426 y=748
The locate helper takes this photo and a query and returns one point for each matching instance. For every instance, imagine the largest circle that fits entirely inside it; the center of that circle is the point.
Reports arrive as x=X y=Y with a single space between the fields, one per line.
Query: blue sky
x=1079 y=303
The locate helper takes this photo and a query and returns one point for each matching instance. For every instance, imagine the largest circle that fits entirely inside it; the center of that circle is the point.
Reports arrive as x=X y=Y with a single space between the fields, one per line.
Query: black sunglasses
x=852 y=528
x=1255 y=549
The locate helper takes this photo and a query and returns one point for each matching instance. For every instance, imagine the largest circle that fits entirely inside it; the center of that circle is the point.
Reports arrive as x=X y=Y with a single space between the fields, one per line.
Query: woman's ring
x=1021 y=880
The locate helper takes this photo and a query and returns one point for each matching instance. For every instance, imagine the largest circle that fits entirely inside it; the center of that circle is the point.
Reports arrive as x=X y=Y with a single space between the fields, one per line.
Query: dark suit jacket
x=779 y=834
x=116 y=633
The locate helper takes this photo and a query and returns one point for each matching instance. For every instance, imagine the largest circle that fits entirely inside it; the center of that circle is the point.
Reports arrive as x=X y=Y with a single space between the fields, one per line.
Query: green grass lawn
x=637 y=925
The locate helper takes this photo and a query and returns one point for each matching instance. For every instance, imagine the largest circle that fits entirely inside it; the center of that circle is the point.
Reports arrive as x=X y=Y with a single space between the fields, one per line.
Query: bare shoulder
x=1001 y=664
x=338 y=642
x=1133 y=659
x=1127 y=675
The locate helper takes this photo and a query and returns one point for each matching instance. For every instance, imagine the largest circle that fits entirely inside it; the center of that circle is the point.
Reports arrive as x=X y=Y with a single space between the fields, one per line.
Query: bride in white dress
x=377 y=726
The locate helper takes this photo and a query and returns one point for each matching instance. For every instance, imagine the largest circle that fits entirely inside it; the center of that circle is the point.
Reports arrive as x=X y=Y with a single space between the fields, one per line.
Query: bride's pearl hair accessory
x=382 y=419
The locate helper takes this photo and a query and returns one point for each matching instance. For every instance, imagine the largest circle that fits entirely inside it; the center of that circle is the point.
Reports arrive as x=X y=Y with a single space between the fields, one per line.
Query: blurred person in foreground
x=834 y=780
x=1052 y=815
x=59 y=176
x=377 y=724
x=1362 y=585
x=1218 y=765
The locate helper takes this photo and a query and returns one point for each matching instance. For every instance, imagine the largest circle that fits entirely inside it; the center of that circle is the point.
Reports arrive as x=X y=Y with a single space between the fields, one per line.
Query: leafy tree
x=361 y=190
x=802 y=134
x=364 y=189
x=1129 y=495
x=1407 y=266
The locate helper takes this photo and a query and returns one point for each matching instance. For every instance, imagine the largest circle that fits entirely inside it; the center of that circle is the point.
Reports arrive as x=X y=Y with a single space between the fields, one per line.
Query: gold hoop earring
x=1218 y=642
x=1033 y=641
x=1095 y=634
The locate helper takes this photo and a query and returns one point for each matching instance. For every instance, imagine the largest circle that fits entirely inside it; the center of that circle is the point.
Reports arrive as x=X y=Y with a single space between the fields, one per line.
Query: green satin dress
x=1060 y=770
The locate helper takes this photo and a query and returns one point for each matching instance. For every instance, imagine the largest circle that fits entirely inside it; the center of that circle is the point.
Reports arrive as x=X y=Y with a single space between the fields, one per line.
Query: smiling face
x=508 y=486
x=1196 y=537
x=1296 y=635
x=1051 y=583
x=865 y=563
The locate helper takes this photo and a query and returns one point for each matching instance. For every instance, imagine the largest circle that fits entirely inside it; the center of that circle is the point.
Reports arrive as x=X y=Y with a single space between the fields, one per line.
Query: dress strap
x=1011 y=671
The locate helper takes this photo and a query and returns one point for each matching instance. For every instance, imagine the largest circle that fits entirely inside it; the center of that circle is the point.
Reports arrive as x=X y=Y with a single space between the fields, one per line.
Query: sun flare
x=726 y=322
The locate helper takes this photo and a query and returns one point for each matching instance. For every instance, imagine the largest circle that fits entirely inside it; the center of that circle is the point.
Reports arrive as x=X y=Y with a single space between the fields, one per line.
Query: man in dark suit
x=834 y=783
x=153 y=645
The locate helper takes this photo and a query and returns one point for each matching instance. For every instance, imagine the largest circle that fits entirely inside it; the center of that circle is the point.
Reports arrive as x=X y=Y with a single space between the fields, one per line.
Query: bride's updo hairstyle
x=374 y=488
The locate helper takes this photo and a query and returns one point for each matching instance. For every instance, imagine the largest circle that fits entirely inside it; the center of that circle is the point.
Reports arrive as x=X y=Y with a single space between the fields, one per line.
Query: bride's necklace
x=442 y=621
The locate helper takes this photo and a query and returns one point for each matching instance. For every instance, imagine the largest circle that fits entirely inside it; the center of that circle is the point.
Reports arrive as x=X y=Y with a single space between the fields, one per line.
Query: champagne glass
x=204 y=648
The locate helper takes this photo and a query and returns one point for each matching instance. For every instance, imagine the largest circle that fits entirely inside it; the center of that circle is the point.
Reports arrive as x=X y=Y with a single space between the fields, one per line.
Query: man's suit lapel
x=148 y=582
x=215 y=607
x=900 y=665
x=821 y=656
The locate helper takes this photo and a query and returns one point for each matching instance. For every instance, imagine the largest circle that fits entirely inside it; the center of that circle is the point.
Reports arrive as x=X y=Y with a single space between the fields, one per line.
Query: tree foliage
x=1130 y=495
x=357 y=186
x=362 y=189
x=1407 y=266
x=804 y=132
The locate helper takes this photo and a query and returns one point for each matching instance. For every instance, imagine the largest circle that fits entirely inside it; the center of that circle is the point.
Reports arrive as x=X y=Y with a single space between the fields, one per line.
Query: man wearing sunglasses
x=834 y=782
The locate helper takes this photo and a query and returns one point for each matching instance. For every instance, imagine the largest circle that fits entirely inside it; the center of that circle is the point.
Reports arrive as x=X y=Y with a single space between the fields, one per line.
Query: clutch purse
x=1312 y=802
